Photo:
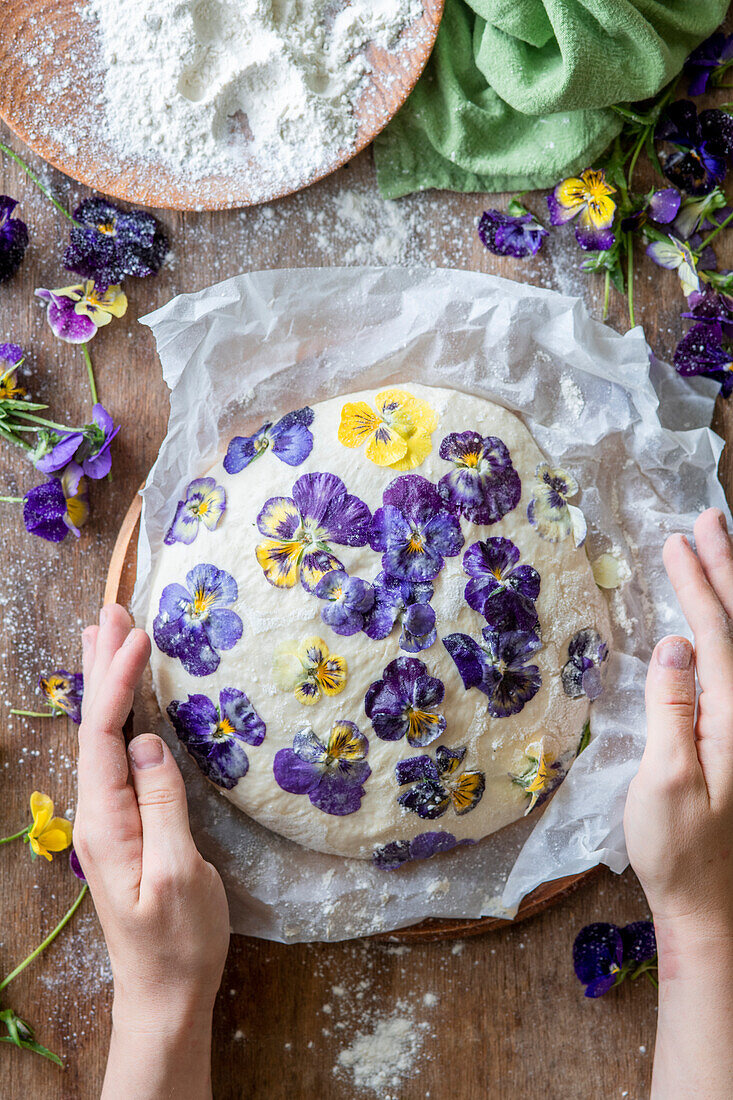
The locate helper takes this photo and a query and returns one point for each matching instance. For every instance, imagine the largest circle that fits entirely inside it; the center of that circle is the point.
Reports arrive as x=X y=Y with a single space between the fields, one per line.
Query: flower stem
x=713 y=233
x=15 y=836
x=49 y=939
x=12 y=438
x=635 y=157
x=36 y=713
x=46 y=423
x=41 y=186
x=630 y=277
x=12 y=500
x=606 y=290
x=90 y=373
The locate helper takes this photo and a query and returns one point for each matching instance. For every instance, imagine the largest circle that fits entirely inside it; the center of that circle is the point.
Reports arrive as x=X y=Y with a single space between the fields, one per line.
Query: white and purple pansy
x=581 y=675
x=483 y=486
x=332 y=775
x=392 y=856
x=299 y=531
x=348 y=601
x=290 y=439
x=216 y=736
x=434 y=785
x=497 y=667
x=549 y=512
x=194 y=623
x=500 y=589
x=405 y=602
x=414 y=530
x=405 y=702
x=204 y=503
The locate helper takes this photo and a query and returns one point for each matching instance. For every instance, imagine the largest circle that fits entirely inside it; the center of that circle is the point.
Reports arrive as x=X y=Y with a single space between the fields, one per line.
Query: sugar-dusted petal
x=386 y=446
x=346 y=742
x=287 y=666
x=466 y=791
x=347 y=520
x=315 y=565
x=280 y=561
x=428 y=800
x=331 y=675
x=358 y=422
x=418 y=447
x=294 y=775
x=469 y=657
x=224 y=628
x=424 y=727
x=340 y=794
x=279 y=518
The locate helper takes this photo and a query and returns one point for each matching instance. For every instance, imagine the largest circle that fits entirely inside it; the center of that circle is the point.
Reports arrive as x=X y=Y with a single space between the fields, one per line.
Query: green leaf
x=21 y=1034
x=584 y=738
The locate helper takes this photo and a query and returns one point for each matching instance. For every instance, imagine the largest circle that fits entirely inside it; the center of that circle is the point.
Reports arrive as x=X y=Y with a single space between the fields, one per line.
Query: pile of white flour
x=205 y=85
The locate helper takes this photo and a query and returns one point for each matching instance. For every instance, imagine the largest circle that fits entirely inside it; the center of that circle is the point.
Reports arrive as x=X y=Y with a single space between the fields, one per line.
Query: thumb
x=670 y=707
x=161 y=798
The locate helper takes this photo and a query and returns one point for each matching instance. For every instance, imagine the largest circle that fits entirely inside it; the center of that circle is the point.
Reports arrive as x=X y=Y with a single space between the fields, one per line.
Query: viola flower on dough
x=549 y=512
x=541 y=778
x=348 y=601
x=587 y=195
x=290 y=439
x=76 y=312
x=397 y=434
x=13 y=238
x=299 y=531
x=194 y=623
x=581 y=675
x=435 y=786
x=110 y=243
x=392 y=856
x=405 y=702
x=498 y=667
x=204 y=503
x=500 y=589
x=57 y=506
x=414 y=530
x=309 y=670
x=483 y=486
x=11 y=357
x=332 y=775
x=406 y=603
x=216 y=736
x=63 y=691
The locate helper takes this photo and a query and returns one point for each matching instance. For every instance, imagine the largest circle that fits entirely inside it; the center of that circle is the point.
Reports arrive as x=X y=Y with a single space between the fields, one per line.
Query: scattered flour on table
x=385 y=1055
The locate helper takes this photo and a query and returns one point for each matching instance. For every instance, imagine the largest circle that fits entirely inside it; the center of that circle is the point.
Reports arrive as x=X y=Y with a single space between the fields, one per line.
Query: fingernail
x=102 y=616
x=146 y=752
x=674 y=653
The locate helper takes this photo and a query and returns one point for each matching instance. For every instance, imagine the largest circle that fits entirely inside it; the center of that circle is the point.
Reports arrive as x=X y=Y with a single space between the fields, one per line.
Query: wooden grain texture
x=509 y=1018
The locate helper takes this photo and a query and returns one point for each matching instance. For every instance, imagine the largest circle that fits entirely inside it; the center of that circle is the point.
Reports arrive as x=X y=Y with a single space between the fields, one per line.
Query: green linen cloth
x=516 y=93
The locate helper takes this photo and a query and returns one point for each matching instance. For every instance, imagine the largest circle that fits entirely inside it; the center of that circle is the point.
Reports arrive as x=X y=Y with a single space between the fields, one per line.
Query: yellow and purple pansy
x=483 y=486
x=406 y=603
x=405 y=702
x=76 y=312
x=63 y=691
x=500 y=589
x=549 y=512
x=309 y=670
x=57 y=506
x=581 y=674
x=414 y=530
x=587 y=195
x=194 y=623
x=204 y=503
x=540 y=778
x=299 y=531
x=435 y=786
x=498 y=667
x=392 y=856
x=332 y=775
x=290 y=439
x=397 y=434
x=216 y=736
x=348 y=601
x=11 y=357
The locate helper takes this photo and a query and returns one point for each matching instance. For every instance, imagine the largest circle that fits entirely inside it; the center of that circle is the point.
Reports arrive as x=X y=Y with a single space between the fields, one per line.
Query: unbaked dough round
x=233 y=667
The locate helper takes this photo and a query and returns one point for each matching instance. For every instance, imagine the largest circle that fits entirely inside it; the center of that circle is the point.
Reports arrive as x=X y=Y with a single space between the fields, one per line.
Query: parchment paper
x=260 y=344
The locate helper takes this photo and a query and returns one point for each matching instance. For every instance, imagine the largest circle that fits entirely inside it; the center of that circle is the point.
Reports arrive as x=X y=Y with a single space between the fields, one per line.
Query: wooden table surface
x=498 y=1016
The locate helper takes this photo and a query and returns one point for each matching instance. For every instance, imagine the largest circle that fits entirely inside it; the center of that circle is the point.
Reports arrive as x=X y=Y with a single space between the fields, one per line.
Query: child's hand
x=162 y=907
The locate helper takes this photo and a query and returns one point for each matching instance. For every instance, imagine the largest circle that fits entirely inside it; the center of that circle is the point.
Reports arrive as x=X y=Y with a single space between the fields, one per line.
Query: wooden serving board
x=47 y=46
x=120 y=583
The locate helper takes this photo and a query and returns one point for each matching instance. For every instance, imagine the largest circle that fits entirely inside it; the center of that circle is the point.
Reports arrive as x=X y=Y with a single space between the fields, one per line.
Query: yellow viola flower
x=309 y=670
x=47 y=834
x=542 y=776
x=397 y=434
x=587 y=195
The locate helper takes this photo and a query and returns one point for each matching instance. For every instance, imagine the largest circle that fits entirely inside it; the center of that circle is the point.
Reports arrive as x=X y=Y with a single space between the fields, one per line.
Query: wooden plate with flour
x=120 y=583
x=99 y=115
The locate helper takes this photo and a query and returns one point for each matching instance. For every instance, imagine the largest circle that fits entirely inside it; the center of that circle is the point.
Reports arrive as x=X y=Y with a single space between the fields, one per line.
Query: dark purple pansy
x=484 y=485
x=57 y=506
x=332 y=775
x=660 y=206
x=110 y=243
x=405 y=702
x=75 y=865
x=581 y=674
x=701 y=351
x=697 y=162
x=290 y=439
x=435 y=786
x=13 y=238
x=711 y=306
x=705 y=59
x=499 y=589
x=414 y=530
x=639 y=940
x=511 y=235
x=497 y=667
x=597 y=957
x=348 y=601
x=204 y=503
x=216 y=736
x=392 y=856
x=194 y=623
x=405 y=602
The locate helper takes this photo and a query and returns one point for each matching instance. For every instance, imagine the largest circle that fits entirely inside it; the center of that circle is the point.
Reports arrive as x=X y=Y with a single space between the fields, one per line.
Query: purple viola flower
x=700 y=146
x=483 y=486
x=711 y=307
x=639 y=941
x=497 y=667
x=348 y=601
x=659 y=206
x=194 y=623
x=435 y=786
x=413 y=530
x=581 y=674
x=57 y=506
x=63 y=691
x=701 y=351
x=204 y=503
x=88 y=448
x=110 y=243
x=13 y=238
x=75 y=865
x=392 y=856
x=75 y=313
x=300 y=530
x=405 y=602
x=216 y=736
x=677 y=256
x=11 y=357
x=710 y=55
x=332 y=775
x=517 y=235
x=405 y=702
x=290 y=439
x=598 y=953
x=499 y=589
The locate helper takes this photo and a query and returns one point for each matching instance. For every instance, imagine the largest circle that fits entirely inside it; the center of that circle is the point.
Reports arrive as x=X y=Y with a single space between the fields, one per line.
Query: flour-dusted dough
x=569 y=601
